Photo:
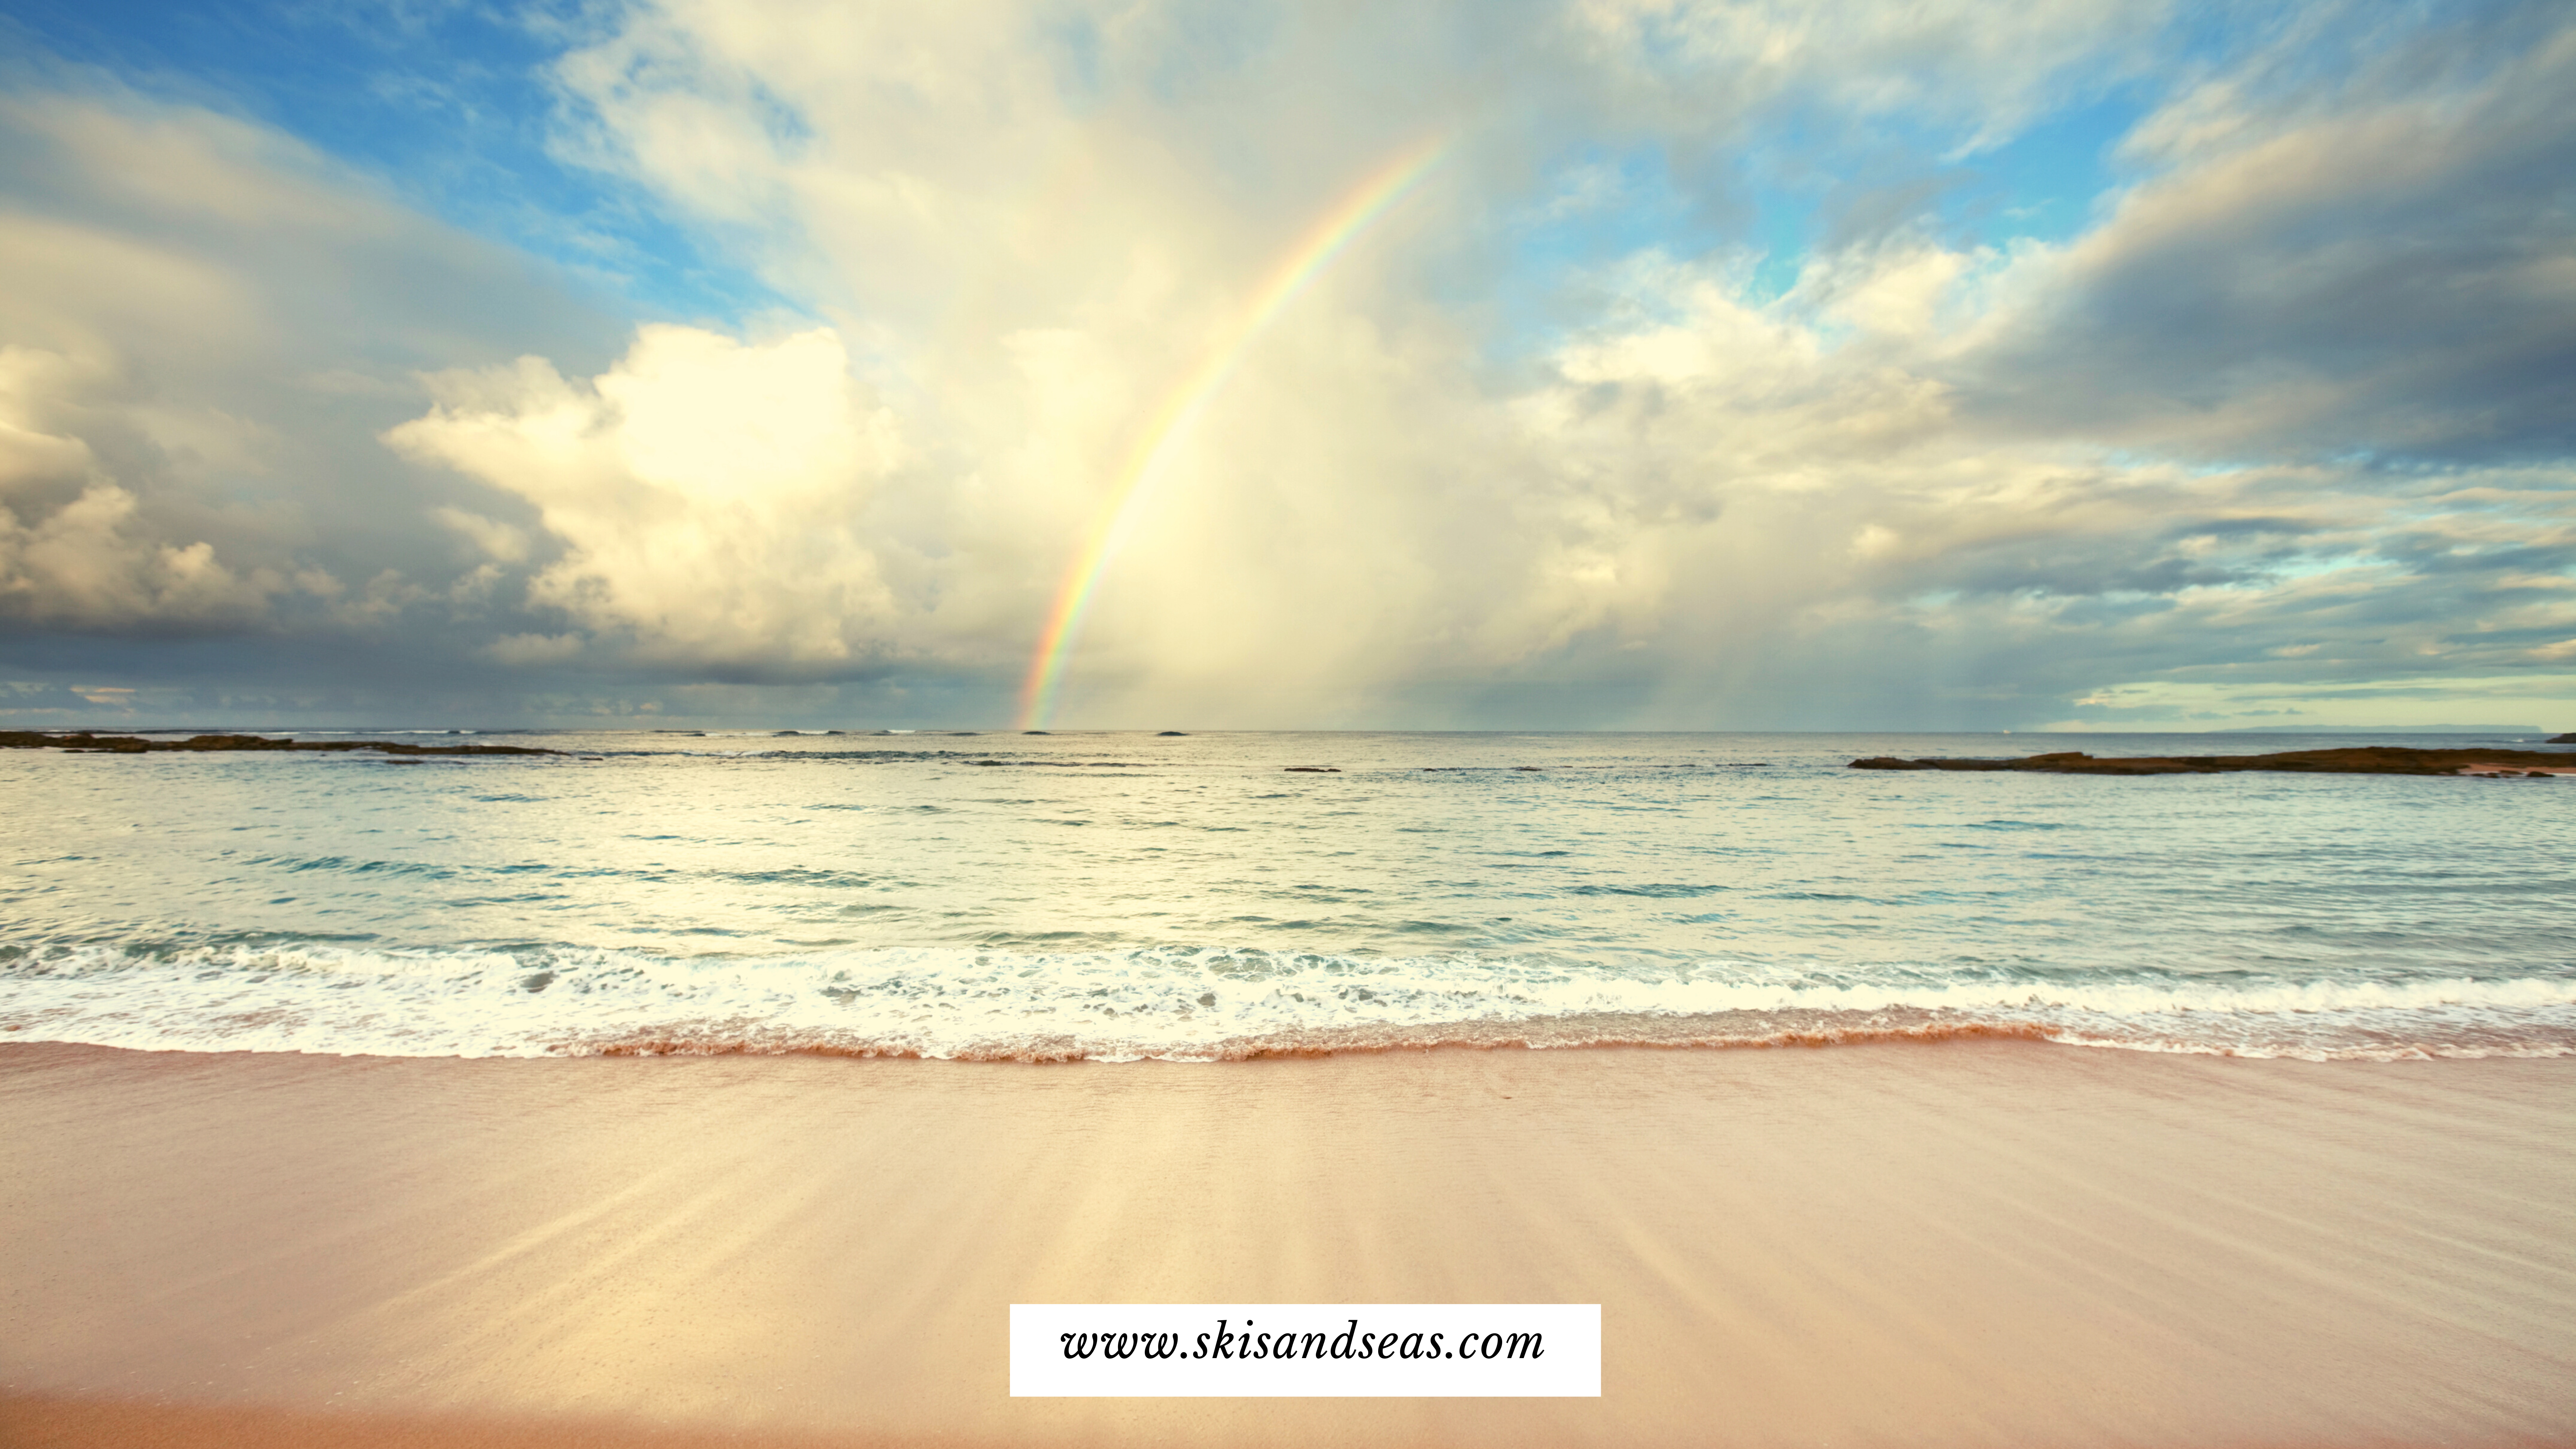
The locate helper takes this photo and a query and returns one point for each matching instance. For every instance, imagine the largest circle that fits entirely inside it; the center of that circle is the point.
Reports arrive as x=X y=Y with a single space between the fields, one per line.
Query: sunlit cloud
x=712 y=499
x=1133 y=364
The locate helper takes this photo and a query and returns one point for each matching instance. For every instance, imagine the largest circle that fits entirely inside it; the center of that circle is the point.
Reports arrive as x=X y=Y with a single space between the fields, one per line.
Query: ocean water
x=1118 y=896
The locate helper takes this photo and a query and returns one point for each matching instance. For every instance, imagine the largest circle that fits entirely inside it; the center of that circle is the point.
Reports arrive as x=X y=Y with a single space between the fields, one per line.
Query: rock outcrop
x=137 y=745
x=2362 y=760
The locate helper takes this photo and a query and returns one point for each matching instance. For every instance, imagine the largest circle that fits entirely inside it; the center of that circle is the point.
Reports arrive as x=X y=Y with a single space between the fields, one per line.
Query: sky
x=1499 y=364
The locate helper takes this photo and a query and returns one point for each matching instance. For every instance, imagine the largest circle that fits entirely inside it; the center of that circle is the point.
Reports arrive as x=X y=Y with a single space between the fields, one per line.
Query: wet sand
x=1966 y=1243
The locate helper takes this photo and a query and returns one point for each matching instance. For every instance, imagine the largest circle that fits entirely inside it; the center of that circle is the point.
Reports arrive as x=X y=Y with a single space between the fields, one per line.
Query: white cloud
x=1981 y=69
x=75 y=549
x=498 y=540
x=201 y=314
x=1934 y=482
x=1703 y=494
x=86 y=565
x=714 y=498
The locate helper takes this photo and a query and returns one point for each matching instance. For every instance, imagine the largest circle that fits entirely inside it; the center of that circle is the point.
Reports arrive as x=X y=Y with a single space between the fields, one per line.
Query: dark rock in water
x=199 y=744
x=2563 y=739
x=1033 y=732
x=1531 y=768
x=2363 y=760
x=1171 y=735
x=1313 y=770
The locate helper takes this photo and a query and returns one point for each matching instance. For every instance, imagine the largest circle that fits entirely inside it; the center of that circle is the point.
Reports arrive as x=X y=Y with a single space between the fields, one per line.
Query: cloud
x=713 y=499
x=2285 y=415
x=1927 y=473
x=209 y=323
x=2383 y=262
x=78 y=549
x=1980 y=70
x=523 y=650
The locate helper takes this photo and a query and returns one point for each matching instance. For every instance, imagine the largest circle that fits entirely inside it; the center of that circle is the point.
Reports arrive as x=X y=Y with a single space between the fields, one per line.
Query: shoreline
x=2295 y=1024
x=1956 y=1243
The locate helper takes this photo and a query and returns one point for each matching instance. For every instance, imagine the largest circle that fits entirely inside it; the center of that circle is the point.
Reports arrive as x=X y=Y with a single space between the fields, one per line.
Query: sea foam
x=1190 y=1005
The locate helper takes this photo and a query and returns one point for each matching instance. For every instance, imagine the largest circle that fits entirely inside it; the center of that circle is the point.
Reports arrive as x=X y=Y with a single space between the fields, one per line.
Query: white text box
x=1305 y=1350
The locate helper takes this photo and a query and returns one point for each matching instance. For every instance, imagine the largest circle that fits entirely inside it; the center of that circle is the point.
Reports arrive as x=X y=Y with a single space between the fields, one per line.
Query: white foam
x=948 y=1002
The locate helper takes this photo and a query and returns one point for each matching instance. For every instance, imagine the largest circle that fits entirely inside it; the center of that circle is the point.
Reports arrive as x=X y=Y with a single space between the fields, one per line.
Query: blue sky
x=446 y=105
x=1739 y=365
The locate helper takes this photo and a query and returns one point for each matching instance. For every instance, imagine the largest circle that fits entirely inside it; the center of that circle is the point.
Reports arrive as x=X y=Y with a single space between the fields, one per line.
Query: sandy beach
x=1968 y=1243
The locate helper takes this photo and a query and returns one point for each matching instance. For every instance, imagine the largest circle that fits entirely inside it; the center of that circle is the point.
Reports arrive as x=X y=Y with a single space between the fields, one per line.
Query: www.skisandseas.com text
x=1351 y=1343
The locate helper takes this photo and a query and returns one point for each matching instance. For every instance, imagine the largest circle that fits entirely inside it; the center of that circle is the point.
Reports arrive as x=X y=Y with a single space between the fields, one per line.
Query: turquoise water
x=1133 y=895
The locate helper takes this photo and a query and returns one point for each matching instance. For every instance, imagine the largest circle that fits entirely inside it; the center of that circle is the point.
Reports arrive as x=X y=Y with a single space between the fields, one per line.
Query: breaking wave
x=1196 y=1005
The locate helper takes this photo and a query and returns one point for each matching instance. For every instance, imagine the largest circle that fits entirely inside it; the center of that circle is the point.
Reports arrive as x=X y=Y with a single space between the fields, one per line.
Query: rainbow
x=1181 y=407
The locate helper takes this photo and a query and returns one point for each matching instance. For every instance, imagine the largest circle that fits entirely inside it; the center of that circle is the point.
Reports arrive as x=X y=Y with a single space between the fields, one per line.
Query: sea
x=1210 y=897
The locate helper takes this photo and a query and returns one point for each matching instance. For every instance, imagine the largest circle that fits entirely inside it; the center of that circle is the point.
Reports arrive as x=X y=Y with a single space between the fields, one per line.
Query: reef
x=137 y=745
x=2360 y=760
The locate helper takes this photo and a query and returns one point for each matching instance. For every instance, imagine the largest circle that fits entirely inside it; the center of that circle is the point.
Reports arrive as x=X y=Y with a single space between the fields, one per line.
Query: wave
x=1196 y=1005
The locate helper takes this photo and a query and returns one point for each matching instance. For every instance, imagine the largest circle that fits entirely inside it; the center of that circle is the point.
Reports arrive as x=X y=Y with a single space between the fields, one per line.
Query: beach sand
x=1965 y=1243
